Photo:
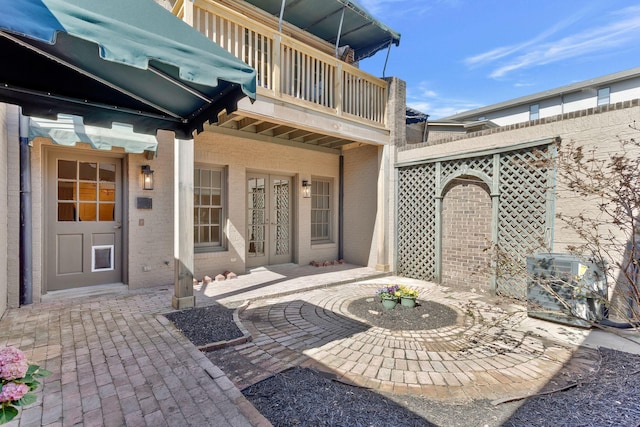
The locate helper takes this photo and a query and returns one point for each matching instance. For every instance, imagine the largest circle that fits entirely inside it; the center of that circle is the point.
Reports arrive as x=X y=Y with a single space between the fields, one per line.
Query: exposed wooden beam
x=300 y=134
x=246 y=122
x=266 y=126
x=224 y=118
x=283 y=130
x=338 y=144
x=326 y=142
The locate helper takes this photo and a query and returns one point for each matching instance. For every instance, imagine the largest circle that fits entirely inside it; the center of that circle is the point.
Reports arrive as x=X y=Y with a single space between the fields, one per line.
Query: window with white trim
x=209 y=213
x=604 y=96
x=534 y=112
x=320 y=210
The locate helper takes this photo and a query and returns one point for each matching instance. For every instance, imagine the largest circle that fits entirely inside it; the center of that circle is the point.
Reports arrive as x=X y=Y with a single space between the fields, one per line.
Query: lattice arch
x=520 y=183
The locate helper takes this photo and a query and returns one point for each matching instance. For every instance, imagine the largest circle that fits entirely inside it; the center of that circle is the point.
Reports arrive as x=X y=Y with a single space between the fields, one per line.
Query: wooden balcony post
x=339 y=89
x=188 y=12
x=277 y=65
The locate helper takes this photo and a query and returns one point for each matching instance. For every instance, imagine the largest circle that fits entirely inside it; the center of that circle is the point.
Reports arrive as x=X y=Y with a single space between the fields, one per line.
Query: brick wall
x=466 y=229
x=239 y=156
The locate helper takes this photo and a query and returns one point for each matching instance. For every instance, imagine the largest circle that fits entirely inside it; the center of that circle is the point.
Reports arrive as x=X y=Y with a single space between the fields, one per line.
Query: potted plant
x=389 y=296
x=408 y=296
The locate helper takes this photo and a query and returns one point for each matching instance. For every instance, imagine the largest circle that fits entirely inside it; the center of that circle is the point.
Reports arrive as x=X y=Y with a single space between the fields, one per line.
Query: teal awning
x=126 y=61
x=69 y=130
x=360 y=30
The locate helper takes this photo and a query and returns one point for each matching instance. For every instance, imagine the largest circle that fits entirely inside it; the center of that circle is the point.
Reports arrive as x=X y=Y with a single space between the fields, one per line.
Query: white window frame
x=202 y=247
x=534 y=111
x=321 y=206
x=604 y=96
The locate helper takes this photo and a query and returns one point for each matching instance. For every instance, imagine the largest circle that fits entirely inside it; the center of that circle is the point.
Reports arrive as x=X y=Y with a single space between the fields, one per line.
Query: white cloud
x=382 y=8
x=427 y=100
x=622 y=28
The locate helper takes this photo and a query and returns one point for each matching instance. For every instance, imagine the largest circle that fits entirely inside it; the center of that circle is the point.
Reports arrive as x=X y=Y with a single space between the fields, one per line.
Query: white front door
x=268 y=219
x=84 y=217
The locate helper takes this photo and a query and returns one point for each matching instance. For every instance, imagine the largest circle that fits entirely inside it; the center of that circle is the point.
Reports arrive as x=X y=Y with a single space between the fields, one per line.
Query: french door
x=268 y=219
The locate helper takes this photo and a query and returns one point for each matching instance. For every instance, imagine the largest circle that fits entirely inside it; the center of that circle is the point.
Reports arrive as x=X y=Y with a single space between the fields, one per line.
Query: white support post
x=183 y=225
x=382 y=219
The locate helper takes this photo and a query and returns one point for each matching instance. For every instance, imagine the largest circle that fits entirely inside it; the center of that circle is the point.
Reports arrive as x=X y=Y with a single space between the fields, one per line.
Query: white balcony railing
x=287 y=68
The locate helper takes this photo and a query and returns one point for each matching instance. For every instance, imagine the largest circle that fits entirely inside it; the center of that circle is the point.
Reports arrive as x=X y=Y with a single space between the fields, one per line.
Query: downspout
x=341 y=207
x=340 y=29
x=26 y=260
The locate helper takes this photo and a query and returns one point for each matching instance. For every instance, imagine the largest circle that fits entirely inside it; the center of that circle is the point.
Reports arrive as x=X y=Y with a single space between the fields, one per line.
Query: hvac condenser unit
x=566 y=289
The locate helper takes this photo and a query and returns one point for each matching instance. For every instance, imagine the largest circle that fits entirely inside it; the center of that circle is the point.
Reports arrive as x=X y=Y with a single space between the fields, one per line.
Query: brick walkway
x=117 y=362
x=484 y=355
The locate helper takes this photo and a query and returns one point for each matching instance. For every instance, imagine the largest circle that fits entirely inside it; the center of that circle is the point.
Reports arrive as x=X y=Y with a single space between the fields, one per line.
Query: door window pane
x=66 y=190
x=88 y=212
x=67 y=169
x=66 y=211
x=107 y=192
x=107 y=212
x=88 y=171
x=107 y=172
x=88 y=191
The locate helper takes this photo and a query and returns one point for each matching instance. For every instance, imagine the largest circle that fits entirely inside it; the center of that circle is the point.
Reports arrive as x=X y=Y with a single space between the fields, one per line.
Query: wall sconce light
x=306 y=189
x=147 y=177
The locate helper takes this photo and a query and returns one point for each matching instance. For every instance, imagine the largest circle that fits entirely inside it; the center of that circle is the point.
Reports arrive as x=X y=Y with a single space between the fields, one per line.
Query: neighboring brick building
x=519 y=203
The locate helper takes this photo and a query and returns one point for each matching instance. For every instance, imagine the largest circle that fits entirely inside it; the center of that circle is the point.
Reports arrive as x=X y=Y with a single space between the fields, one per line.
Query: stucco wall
x=360 y=204
x=239 y=156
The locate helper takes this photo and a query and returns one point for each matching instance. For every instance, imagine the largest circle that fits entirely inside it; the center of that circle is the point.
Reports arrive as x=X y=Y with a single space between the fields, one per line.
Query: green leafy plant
x=406 y=292
x=18 y=378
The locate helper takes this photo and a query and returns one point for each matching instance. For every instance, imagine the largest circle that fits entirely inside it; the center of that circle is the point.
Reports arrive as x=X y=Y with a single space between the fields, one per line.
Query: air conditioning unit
x=567 y=289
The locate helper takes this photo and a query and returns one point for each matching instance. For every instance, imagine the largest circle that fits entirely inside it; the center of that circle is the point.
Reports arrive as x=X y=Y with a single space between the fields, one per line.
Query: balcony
x=305 y=94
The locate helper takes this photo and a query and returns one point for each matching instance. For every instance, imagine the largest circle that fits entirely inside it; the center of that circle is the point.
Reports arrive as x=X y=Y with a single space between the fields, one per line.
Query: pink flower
x=13 y=391
x=13 y=364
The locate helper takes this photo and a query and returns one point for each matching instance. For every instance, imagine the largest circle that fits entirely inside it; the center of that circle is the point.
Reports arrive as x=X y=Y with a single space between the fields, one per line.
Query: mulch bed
x=206 y=325
x=425 y=315
x=303 y=397
x=608 y=397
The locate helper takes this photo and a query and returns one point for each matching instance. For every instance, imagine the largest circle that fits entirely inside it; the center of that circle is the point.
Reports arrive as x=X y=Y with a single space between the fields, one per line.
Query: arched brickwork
x=466 y=231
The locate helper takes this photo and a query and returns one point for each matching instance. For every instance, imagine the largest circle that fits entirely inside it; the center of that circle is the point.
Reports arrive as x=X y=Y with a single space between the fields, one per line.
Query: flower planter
x=389 y=303
x=408 y=302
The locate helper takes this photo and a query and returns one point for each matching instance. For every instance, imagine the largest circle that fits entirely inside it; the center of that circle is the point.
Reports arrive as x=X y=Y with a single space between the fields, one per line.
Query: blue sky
x=457 y=55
